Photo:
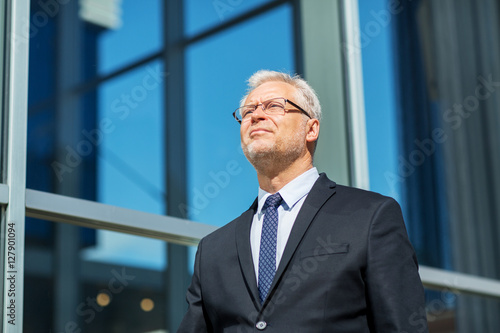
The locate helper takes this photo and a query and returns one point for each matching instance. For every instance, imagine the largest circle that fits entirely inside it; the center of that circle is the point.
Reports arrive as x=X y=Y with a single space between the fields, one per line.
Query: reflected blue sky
x=378 y=85
x=139 y=35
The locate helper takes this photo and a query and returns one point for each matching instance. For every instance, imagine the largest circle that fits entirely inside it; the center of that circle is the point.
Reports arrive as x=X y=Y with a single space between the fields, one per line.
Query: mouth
x=258 y=131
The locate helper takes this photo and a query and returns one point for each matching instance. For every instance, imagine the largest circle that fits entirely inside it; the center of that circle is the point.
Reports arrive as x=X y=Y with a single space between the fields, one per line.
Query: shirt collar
x=293 y=191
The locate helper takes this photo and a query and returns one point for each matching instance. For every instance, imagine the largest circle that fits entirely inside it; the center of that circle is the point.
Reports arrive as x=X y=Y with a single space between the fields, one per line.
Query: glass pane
x=68 y=290
x=139 y=35
x=202 y=15
x=449 y=312
x=379 y=94
x=389 y=136
x=42 y=61
x=123 y=249
x=96 y=140
x=107 y=145
x=131 y=161
x=221 y=182
x=41 y=149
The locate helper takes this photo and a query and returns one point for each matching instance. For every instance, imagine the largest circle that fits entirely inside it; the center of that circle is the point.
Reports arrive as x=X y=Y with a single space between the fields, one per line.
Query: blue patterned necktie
x=268 y=239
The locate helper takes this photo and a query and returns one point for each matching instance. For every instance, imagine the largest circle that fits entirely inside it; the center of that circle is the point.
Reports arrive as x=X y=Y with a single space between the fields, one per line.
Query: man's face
x=273 y=139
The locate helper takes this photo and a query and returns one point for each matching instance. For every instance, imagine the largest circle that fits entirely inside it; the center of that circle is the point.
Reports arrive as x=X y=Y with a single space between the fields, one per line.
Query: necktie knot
x=273 y=201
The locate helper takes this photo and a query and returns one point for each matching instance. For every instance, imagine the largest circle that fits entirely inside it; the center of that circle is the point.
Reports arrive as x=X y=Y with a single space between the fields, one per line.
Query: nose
x=259 y=112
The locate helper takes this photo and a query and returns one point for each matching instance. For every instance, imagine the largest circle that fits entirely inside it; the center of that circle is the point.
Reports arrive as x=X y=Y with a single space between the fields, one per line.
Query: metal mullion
x=324 y=70
x=91 y=214
x=96 y=81
x=356 y=124
x=176 y=275
x=297 y=38
x=434 y=278
x=16 y=72
x=2 y=45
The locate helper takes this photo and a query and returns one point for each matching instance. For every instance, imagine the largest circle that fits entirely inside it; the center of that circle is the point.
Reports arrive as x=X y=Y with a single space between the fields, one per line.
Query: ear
x=312 y=130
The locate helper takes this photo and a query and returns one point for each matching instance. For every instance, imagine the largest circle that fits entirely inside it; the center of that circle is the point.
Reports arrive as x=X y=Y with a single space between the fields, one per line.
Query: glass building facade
x=119 y=151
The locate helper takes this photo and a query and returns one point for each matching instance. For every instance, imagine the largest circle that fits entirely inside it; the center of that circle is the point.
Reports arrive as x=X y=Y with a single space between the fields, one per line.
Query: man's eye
x=246 y=112
x=274 y=106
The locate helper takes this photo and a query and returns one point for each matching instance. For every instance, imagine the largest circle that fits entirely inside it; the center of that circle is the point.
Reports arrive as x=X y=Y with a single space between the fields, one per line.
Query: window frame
x=14 y=111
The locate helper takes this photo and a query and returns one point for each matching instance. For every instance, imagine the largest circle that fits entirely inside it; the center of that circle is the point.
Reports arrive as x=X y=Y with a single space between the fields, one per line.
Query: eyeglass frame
x=264 y=110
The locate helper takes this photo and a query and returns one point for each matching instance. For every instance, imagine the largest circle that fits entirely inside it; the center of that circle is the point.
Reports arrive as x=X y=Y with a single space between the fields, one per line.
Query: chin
x=266 y=155
x=258 y=150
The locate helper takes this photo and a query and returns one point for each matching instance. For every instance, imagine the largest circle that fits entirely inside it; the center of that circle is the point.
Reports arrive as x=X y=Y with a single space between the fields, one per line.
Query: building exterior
x=119 y=151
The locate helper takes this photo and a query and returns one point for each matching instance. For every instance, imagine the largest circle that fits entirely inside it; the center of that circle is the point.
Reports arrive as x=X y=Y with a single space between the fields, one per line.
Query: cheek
x=243 y=130
x=293 y=134
x=244 y=134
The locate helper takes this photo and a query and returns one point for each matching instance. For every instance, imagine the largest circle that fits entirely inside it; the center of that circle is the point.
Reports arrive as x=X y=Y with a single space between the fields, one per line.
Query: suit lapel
x=245 y=252
x=322 y=190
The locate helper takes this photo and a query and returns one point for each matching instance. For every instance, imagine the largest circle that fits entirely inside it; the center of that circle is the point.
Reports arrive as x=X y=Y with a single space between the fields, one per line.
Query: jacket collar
x=244 y=223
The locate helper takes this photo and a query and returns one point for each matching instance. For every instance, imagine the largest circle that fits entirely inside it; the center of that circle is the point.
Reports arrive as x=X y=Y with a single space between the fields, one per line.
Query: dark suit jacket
x=348 y=266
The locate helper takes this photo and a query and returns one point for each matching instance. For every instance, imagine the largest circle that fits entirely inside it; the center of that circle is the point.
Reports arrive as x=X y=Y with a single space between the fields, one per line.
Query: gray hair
x=305 y=96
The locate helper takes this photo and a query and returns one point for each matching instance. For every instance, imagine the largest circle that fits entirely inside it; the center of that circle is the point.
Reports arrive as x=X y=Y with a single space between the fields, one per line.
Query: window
x=123 y=153
x=99 y=167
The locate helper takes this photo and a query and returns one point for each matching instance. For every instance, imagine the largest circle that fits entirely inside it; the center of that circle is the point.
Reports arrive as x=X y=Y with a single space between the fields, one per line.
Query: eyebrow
x=265 y=99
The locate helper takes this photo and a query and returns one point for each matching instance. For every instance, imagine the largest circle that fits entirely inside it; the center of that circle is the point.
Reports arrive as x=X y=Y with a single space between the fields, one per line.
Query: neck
x=272 y=178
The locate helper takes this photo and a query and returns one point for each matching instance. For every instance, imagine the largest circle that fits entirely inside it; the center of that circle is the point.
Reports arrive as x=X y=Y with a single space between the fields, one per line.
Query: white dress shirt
x=294 y=193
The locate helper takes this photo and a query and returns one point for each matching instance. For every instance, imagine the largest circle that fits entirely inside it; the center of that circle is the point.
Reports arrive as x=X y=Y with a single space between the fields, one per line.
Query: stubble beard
x=275 y=155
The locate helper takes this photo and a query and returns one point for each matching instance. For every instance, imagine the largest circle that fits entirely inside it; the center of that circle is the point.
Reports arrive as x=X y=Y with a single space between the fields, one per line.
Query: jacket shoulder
x=362 y=194
x=349 y=192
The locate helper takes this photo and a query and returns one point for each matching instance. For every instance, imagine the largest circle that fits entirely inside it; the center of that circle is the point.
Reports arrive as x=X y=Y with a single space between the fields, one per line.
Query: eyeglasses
x=273 y=106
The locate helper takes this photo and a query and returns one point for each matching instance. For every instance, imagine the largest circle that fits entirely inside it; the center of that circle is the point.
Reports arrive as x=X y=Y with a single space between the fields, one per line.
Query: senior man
x=309 y=255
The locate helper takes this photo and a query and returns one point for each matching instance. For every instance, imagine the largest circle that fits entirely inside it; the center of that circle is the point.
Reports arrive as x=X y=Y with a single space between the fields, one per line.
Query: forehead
x=270 y=90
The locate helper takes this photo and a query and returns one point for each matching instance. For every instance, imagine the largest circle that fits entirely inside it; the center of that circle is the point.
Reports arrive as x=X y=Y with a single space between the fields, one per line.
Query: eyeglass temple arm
x=299 y=108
